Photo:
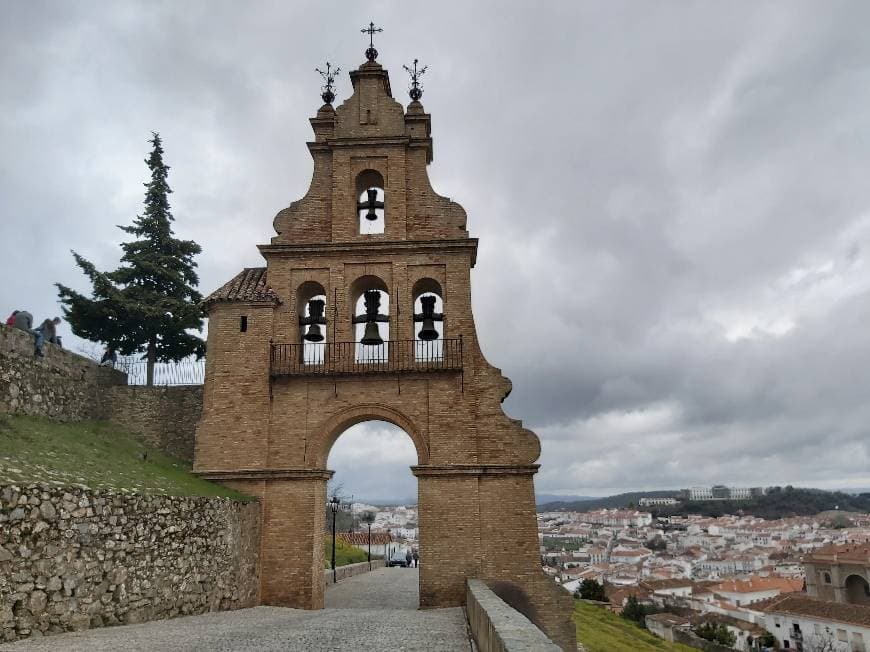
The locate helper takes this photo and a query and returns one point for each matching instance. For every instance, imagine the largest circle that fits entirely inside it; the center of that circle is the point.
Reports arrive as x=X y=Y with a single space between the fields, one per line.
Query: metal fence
x=340 y=358
x=185 y=372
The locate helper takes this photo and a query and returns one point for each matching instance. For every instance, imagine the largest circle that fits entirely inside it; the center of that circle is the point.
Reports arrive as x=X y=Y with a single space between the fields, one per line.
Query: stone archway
x=857 y=590
x=327 y=433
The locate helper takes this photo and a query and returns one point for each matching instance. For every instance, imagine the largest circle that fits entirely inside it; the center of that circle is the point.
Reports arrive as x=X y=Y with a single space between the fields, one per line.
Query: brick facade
x=271 y=436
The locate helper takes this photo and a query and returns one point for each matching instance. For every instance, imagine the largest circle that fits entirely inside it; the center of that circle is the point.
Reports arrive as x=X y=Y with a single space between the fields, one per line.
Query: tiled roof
x=756 y=584
x=250 y=286
x=859 y=552
x=800 y=604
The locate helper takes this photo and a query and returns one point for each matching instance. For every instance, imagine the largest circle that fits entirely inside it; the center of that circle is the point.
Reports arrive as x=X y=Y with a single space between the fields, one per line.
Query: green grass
x=344 y=553
x=93 y=454
x=599 y=630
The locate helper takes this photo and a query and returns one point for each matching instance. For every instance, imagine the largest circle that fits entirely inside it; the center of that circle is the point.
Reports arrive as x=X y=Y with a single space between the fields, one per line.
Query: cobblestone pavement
x=375 y=611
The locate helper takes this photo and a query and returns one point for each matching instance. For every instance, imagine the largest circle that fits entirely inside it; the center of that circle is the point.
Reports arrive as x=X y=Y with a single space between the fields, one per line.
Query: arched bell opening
x=371 y=320
x=428 y=320
x=373 y=498
x=313 y=324
x=371 y=202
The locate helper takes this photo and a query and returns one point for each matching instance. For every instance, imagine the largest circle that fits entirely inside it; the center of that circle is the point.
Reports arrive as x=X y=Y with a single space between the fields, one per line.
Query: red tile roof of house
x=859 y=552
x=756 y=584
x=800 y=604
x=250 y=286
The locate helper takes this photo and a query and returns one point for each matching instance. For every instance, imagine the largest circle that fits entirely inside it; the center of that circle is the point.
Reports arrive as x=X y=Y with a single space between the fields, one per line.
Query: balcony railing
x=343 y=358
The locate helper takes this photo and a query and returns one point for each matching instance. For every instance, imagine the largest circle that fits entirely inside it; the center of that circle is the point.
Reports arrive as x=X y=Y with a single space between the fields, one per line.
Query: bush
x=716 y=632
x=591 y=590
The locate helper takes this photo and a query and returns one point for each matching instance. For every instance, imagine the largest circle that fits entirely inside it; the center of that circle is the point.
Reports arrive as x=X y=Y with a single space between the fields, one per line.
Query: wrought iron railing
x=340 y=358
x=183 y=372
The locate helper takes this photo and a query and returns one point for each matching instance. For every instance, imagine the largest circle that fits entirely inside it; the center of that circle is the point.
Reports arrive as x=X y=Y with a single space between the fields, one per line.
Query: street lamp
x=333 y=505
x=389 y=547
x=368 y=518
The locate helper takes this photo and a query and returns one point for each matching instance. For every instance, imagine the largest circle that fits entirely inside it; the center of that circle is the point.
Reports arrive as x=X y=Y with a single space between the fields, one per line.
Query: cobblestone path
x=374 y=611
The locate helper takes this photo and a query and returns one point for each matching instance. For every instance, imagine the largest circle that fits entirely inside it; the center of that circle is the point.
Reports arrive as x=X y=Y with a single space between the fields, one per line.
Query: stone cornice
x=371 y=247
x=267 y=474
x=440 y=470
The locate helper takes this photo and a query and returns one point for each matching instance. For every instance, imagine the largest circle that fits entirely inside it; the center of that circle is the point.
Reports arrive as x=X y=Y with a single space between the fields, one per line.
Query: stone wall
x=71 y=559
x=497 y=627
x=351 y=570
x=688 y=637
x=62 y=386
x=164 y=417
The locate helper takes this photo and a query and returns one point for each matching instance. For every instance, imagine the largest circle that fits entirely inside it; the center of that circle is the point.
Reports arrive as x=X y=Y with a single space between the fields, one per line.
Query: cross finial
x=329 y=77
x=371 y=30
x=416 y=90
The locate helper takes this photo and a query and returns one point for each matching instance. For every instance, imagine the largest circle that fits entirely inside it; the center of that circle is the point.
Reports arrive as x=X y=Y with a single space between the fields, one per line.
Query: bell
x=315 y=310
x=428 y=332
x=314 y=334
x=371 y=216
x=372 y=335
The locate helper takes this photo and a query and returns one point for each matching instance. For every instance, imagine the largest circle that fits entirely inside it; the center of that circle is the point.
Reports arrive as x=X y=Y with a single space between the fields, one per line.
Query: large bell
x=314 y=334
x=428 y=332
x=315 y=311
x=372 y=335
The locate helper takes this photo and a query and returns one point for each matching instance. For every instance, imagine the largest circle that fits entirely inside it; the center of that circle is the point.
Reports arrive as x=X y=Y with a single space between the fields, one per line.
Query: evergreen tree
x=150 y=302
x=591 y=590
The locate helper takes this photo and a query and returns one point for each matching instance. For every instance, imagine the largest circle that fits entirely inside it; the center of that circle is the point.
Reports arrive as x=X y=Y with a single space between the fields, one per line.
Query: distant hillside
x=609 y=502
x=779 y=502
x=542 y=499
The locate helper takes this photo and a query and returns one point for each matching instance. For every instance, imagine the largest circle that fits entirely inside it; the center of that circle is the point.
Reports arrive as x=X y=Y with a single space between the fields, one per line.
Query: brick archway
x=327 y=433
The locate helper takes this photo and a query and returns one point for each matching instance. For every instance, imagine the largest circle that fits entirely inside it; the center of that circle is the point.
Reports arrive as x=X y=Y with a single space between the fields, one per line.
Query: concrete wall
x=350 y=570
x=496 y=627
x=164 y=417
x=62 y=386
x=72 y=559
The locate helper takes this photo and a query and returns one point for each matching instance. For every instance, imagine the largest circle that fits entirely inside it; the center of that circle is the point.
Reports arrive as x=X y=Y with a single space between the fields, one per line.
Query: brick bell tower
x=363 y=311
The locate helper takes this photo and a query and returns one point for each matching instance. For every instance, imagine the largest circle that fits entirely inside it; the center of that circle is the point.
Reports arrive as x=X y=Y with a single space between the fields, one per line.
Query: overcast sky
x=672 y=202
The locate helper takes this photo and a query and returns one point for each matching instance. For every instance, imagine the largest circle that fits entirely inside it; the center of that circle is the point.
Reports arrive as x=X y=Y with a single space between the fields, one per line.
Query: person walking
x=45 y=332
x=416 y=557
x=11 y=319
x=408 y=557
x=23 y=321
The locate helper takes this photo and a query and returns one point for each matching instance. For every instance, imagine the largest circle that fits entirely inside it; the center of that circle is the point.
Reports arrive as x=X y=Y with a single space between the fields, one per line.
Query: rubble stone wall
x=164 y=417
x=72 y=559
x=62 y=386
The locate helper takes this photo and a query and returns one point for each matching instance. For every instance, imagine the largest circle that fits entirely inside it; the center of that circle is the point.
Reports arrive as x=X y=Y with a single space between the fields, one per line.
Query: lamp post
x=333 y=505
x=368 y=518
x=389 y=547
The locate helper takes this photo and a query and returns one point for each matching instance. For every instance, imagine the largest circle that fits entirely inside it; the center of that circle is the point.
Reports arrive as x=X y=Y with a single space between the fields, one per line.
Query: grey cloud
x=678 y=189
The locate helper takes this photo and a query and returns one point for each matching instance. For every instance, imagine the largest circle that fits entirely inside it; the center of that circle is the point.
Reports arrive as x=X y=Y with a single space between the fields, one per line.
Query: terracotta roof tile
x=250 y=286
x=800 y=604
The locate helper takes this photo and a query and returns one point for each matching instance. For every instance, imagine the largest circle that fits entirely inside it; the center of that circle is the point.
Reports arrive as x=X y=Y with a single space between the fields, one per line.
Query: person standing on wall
x=46 y=332
x=11 y=319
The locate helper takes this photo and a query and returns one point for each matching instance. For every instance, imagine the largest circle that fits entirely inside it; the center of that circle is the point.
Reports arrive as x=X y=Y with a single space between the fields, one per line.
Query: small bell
x=315 y=311
x=372 y=335
x=314 y=334
x=428 y=332
x=371 y=216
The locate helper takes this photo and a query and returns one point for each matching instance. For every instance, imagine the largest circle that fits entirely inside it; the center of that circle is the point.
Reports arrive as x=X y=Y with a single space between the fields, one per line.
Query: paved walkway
x=376 y=611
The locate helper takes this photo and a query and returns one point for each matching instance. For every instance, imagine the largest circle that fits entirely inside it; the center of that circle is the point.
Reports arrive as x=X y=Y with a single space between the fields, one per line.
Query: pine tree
x=150 y=302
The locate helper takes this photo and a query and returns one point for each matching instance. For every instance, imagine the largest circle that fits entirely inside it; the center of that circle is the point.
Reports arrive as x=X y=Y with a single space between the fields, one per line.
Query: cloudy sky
x=676 y=190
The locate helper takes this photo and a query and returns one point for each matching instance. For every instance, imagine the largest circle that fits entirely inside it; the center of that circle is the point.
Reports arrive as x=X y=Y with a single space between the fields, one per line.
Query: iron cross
x=371 y=30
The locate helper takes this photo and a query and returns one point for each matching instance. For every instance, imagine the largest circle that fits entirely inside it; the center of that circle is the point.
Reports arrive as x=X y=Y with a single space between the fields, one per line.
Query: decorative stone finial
x=416 y=90
x=329 y=77
x=371 y=30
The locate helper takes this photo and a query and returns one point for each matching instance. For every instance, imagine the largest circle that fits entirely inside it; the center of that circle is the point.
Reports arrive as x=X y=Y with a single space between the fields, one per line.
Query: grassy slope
x=344 y=553
x=599 y=630
x=94 y=454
